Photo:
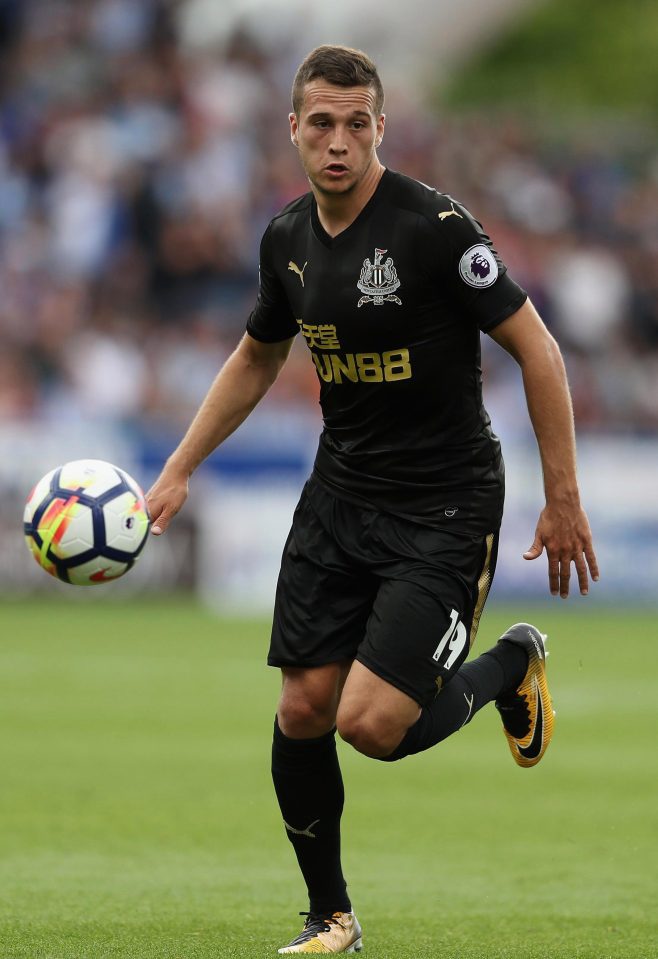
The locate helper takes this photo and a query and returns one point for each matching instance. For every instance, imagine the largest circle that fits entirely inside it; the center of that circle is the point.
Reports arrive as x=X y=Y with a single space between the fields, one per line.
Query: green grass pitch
x=137 y=818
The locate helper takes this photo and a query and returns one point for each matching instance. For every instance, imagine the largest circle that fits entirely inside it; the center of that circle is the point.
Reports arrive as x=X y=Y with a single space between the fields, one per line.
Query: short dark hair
x=342 y=66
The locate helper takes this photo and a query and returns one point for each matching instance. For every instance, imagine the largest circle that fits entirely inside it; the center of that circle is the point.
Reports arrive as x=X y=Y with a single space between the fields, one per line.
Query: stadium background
x=143 y=146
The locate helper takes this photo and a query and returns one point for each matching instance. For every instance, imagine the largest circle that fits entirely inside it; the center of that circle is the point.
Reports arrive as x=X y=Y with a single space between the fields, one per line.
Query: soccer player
x=393 y=543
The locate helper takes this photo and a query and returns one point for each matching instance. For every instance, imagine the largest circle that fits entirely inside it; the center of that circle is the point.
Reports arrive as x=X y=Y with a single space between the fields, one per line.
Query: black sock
x=471 y=688
x=309 y=787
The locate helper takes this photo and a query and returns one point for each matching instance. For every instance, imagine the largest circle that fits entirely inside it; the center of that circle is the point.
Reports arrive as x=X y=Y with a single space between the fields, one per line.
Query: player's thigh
x=424 y=619
x=323 y=597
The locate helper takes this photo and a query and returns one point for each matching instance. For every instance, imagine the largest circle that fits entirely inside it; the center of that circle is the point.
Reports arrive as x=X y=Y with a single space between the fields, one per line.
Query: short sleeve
x=272 y=319
x=476 y=277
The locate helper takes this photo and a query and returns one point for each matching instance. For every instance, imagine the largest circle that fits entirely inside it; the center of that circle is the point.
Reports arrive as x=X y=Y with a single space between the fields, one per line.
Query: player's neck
x=338 y=211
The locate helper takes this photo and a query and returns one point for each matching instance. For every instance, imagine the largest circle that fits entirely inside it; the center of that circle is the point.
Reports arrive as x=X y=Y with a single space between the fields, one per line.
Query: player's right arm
x=238 y=387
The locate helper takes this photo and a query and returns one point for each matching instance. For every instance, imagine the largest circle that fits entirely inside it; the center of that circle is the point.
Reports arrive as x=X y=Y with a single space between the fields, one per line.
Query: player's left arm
x=563 y=528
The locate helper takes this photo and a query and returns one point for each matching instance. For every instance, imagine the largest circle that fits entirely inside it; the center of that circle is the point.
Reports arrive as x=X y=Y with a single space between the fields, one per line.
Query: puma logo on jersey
x=302 y=832
x=295 y=269
x=451 y=212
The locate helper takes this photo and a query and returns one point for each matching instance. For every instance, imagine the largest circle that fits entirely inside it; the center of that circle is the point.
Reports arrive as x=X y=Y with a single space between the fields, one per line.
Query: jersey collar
x=333 y=241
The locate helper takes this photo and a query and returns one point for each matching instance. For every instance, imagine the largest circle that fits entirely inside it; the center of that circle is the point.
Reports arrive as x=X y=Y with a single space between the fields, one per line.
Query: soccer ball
x=86 y=522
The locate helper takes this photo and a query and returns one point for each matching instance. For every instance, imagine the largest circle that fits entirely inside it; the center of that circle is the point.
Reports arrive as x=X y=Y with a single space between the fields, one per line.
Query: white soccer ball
x=86 y=522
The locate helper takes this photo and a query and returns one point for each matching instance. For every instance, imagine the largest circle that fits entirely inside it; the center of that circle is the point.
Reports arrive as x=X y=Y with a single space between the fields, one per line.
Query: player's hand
x=165 y=498
x=565 y=534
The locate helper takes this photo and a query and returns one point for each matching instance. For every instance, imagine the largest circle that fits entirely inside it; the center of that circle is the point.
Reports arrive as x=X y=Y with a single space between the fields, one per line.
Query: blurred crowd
x=136 y=178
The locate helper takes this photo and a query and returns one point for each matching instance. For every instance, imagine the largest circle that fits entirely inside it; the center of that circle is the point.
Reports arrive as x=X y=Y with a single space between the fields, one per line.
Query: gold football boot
x=339 y=932
x=527 y=712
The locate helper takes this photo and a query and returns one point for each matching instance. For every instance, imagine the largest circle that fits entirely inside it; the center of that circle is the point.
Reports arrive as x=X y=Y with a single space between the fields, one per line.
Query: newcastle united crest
x=378 y=281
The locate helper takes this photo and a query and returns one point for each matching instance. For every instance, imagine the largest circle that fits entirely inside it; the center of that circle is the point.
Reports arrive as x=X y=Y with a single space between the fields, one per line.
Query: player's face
x=337 y=133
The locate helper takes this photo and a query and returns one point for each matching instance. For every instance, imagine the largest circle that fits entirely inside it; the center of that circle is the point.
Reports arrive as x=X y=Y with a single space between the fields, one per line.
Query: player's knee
x=300 y=717
x=367 y=735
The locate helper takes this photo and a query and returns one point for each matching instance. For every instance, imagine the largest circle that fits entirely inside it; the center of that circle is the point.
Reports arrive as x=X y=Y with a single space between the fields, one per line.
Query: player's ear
x=294 y=129
x=381 y=122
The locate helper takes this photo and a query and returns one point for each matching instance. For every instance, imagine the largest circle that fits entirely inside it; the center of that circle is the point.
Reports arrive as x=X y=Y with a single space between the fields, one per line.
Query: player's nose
x=338 y=142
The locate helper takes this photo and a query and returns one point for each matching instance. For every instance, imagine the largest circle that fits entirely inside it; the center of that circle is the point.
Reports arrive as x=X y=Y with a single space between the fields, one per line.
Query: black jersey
x=391 y=310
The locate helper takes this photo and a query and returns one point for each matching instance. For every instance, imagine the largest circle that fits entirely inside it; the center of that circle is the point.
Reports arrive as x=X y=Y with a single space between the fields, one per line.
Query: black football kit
x=393 y=544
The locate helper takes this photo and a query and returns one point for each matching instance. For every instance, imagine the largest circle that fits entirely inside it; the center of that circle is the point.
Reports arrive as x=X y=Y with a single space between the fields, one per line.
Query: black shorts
x=402 y=598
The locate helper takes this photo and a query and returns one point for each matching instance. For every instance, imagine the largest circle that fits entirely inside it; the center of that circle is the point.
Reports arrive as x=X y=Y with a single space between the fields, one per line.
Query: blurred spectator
x=589 y=292
x=136 y=180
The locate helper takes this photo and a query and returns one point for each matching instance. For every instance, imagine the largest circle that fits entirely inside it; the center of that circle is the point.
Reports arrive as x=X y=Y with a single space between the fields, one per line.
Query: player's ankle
x=327 y=906
x=513 y=661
